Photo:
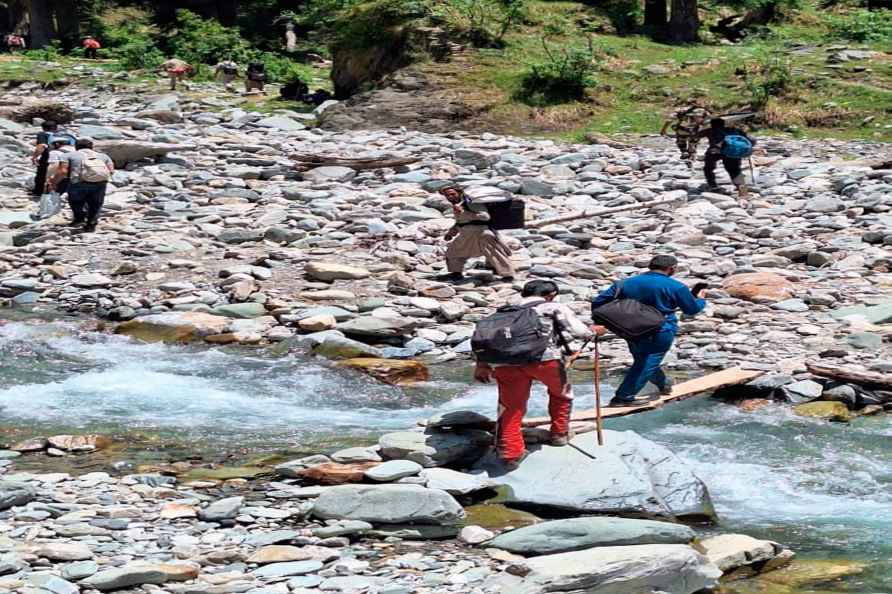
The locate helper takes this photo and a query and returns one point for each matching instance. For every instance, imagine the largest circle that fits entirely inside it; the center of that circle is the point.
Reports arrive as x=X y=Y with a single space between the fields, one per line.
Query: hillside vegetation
x=540 y=67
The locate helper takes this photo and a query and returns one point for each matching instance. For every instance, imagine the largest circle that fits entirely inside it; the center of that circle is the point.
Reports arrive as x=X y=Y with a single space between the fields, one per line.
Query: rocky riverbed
x=219 y=240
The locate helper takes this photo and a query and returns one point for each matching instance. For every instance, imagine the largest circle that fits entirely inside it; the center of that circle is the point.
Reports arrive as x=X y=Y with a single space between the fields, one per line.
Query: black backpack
x=513 y=335
x=257 y=71
x=628 y=318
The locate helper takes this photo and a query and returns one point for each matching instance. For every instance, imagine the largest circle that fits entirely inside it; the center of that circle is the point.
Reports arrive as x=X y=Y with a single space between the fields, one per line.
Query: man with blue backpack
x=730 y=146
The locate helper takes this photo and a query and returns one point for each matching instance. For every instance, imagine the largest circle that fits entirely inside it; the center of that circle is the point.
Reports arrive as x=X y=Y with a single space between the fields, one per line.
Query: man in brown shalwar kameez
x=471 y=238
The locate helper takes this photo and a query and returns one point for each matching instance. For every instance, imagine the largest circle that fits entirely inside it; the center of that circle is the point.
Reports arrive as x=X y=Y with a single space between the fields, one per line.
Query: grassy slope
x=824 y=101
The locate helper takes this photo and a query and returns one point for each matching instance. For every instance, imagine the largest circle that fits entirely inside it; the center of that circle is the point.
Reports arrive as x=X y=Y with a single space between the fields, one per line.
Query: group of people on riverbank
x=226 y=71
x=534 y=339
x=538 y=338
x=70 y=166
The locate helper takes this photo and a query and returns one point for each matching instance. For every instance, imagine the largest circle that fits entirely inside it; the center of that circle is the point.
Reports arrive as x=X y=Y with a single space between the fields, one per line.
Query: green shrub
x=50 y=53
x=766 y=78
x=482 y=22
x=563 y=76
x=198 y=40
x=862 y=25
x=624 y=15
x=139 y=54
x=371 y=23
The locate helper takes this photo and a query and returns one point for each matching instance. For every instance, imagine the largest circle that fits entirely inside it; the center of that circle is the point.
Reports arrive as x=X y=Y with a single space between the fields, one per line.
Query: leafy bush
x=482 y=22
x=369 y=23
x=139 y=54
x=204 y=41
x=563 y=76
x=766 y=78
x=862 y=25
x=624 y=15
x=50 y=53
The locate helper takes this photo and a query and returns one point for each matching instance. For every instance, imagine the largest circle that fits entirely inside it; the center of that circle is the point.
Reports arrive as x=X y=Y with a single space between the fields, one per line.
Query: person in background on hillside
x=15 y=43
x=40 y=156
x=516 y=381
x=686 y=125
x=255 y=77
x=658 y=289
x=89 y=173
x=471 y=238
x=290 y=38
x=716 y=133
x=226 y=71
x=91 y=48
x=177 y=70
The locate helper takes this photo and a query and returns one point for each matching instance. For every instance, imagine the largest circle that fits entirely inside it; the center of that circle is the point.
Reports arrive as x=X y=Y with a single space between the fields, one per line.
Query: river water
x=824 y=489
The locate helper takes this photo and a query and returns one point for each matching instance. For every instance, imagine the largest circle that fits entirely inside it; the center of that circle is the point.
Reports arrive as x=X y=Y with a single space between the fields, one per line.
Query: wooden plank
x=851 y=374
x=682 y=391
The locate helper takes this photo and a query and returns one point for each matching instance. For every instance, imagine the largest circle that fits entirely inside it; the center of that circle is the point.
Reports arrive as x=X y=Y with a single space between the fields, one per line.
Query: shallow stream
x=823 y=489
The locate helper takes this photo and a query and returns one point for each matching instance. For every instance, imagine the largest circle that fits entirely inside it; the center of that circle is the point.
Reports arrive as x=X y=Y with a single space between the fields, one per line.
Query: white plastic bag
x=50 y=205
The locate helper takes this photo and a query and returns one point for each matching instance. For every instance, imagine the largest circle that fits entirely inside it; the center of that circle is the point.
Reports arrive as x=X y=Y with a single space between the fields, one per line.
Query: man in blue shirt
x=656 y=288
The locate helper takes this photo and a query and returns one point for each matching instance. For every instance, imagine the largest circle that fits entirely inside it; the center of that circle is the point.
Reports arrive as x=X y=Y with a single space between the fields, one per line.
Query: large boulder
x=390 y=371
x=389 y=504
x=137 y=574
x=13 y=494
x=759 y=287
x=25 y=110
x=665 y=568
x=332 y=271
x=434 y=449
x=185 y=326
x=730 y=551
x=874 y=314
x=574 y=534
x=386 y=330
x=629 y=475
x=127 y=151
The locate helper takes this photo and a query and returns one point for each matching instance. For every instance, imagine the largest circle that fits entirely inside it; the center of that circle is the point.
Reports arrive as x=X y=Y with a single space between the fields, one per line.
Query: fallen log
x=708 y=383
x=597 y=213
x=853 y=375
x=305 y=162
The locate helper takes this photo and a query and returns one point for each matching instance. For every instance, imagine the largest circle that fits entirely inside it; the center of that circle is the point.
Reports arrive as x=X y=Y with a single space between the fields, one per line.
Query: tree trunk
x=655 y=16
x=68 y=22
x=42 y=29
x=227 y=11
x=684 y=22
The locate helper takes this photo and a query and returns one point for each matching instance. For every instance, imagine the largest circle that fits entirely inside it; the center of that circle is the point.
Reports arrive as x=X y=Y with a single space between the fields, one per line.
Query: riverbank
x=221 y=242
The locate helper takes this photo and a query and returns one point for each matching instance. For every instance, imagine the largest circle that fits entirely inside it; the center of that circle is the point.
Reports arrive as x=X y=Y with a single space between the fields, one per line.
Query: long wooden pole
x=597 y=213
x=597 y=378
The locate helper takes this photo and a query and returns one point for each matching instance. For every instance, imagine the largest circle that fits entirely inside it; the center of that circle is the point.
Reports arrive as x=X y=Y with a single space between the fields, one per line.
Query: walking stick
x=597 y=380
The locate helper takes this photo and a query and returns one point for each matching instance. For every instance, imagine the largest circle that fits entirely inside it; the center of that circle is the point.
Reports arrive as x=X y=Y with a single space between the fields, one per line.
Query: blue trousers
x=648 y=355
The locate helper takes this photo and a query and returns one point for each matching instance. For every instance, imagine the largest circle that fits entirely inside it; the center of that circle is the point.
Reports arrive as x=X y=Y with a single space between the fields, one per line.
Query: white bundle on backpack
x=94 y=169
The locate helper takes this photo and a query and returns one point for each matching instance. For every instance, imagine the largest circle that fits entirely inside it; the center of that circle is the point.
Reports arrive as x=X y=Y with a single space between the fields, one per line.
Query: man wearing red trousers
x=515 y=381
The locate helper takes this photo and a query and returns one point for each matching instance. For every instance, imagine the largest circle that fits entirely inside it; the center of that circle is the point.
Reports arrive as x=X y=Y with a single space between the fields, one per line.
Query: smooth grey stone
x=575 y=534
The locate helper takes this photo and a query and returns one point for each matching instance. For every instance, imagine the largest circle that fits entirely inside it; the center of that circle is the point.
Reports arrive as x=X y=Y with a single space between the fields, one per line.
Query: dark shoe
x=90 y=228
x=666 y=389
x=515 y=463
x=76 y=223
x=451 y=277
x=637 y=401
x=507 y=279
